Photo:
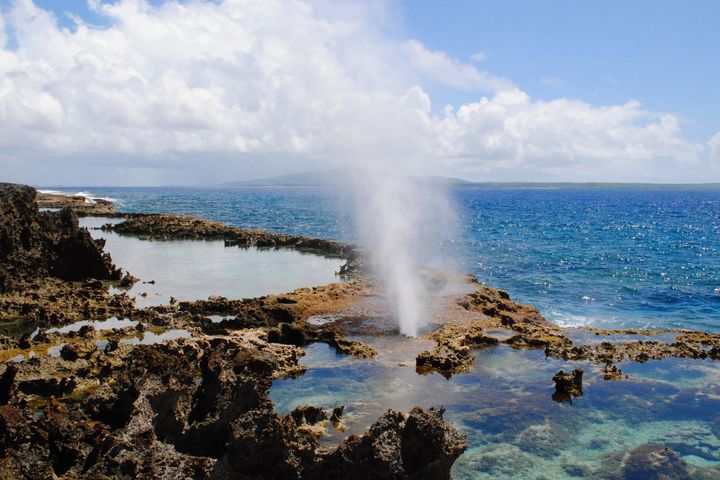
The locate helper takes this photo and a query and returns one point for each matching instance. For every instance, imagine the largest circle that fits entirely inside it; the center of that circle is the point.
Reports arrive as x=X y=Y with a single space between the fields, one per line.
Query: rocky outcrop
x=42 y=256
x=418 y=446
x=198 y=408
x=7 y=383
x=167 y=226
x=445 y=361
x=567 y=385
x=697 y=345
x=78 y=203
x=36 y=244
x=477 y=315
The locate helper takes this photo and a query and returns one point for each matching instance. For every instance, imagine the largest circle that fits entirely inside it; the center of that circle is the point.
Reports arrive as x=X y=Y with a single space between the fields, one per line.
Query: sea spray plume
x=407 y=223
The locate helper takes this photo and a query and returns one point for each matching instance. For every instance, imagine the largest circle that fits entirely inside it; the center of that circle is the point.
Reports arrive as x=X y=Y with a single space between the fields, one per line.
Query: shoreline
x=268 y=333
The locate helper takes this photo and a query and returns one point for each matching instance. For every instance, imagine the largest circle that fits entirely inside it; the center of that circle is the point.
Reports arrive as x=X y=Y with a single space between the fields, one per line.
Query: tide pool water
x=515 y=429
x=197 y=269
x=600 y=257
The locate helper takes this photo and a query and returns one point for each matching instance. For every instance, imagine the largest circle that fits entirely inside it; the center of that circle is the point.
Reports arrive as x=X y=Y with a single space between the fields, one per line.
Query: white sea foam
x=89 y=197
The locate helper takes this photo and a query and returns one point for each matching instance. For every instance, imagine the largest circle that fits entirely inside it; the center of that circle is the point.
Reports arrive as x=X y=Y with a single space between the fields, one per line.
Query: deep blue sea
x=599 y=257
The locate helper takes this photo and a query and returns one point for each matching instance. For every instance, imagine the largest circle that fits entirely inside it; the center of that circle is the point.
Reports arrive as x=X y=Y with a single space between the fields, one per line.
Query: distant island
x=342 y=176
x=329 y=178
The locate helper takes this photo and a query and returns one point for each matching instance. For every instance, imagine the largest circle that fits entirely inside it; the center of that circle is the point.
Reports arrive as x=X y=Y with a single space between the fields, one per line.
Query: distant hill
x=328 y=178
x=319 y=178
x=344 y=176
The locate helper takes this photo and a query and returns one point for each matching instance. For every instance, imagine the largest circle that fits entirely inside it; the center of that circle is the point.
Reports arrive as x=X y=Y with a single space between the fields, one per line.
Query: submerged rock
x=657 y=462
x=567 y=385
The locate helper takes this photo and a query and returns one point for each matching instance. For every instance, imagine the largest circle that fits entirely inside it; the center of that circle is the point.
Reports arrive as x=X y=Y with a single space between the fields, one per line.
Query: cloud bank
x=302 y=79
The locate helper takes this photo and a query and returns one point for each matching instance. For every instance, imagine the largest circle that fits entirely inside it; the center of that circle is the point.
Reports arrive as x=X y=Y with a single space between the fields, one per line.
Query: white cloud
x=3 y=35
x=714 y=147
x=479 y=56
x=296 y=78
x=439 y=66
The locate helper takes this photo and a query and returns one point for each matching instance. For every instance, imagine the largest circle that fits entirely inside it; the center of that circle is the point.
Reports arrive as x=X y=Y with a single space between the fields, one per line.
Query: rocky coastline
x=91 y=402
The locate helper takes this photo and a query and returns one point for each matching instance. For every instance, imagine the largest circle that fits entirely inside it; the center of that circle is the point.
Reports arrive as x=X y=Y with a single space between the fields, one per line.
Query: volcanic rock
x=420 y=445
x=567 y=385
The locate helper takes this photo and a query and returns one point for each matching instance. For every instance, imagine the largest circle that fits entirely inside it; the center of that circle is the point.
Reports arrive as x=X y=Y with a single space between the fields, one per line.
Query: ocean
x=603 y=257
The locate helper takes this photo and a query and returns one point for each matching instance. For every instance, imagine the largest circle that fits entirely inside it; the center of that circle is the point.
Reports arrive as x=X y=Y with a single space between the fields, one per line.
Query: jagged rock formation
x=38 y=244
x=198 y=408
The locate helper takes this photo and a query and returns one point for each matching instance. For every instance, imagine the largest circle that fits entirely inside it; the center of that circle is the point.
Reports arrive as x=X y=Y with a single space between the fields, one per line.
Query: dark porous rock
x=80 y=349
x=127 y=281
x=48 y=387
x=567 y=385
x=7 y=383
x=299 y=335
x=352 y=347
x=168 y=226
x=265 y=445
x=612 y=372
x=79 y=256
x=42 y=254
x=308 y=414
x=337 y=413
x=419 y=446
x=196 y=408
x=444 y=361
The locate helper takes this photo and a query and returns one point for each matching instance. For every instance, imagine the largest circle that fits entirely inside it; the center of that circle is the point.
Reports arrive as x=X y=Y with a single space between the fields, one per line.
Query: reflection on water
x=150 y=338
x=514 y=428
x=109 y=324
x=196 y=269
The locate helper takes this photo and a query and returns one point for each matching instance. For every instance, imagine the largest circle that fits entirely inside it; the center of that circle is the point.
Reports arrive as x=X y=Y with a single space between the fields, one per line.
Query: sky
x=133 y=92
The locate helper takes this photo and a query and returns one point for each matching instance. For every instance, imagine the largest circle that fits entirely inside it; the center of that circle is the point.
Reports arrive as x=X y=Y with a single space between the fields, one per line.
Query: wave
x=89 y=197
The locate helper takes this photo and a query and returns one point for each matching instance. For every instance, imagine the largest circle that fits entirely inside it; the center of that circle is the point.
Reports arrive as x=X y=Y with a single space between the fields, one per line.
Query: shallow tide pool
x=197 y=269
x=505 y=405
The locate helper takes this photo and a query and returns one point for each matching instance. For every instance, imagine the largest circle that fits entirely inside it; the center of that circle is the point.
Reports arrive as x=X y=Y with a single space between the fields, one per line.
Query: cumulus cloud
x=714 y=146
x=439 y=66
x=289 y=77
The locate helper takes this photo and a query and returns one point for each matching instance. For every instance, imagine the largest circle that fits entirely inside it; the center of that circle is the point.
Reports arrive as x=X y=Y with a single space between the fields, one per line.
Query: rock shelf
x=181 y=390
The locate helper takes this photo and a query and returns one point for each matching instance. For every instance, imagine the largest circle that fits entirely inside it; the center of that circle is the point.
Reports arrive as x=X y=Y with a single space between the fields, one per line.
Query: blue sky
x=152 y=91
x=666 y=54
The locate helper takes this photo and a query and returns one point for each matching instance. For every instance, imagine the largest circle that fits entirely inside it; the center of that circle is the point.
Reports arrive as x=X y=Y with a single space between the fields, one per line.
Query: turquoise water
x=515 y=430
x=197 y=269
x=601 y=257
